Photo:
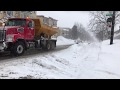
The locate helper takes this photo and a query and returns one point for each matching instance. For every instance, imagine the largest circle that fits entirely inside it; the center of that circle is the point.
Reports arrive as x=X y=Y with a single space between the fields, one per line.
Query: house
x=52 y=22
x=8 y=14
x=48 y=20
x=4 y=15
x=30 y=14
x=64 y=31
x=19 y=14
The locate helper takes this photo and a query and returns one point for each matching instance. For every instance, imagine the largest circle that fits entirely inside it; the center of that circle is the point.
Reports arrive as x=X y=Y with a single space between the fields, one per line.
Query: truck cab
x=16 y=30
x=20 y=28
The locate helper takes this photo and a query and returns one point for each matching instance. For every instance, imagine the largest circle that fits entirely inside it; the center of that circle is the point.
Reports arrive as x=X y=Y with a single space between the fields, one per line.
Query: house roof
x=53 y=18
x=47 y=17
x=40 y=16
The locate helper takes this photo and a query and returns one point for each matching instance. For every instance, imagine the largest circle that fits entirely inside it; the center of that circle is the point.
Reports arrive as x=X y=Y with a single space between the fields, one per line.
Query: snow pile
x=109 y=63
x=67 y=63
x=48 y=66
x=64 y=41
x=115 y=35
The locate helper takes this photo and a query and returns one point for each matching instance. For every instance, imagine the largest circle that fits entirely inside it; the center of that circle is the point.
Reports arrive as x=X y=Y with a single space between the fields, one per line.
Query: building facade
x=4 y=15
x=19 y=14
x=30 y=14
x=64 y=31
x=48 y=20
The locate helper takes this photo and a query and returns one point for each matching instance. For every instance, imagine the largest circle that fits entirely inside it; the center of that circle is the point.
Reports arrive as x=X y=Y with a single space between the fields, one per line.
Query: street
x=4 y=56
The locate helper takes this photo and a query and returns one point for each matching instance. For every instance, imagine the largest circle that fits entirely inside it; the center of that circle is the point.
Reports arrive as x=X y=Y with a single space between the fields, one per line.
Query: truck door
x=30 y=33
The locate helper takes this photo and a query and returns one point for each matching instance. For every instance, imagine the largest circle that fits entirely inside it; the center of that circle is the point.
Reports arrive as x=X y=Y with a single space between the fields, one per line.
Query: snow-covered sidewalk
x=109 y=63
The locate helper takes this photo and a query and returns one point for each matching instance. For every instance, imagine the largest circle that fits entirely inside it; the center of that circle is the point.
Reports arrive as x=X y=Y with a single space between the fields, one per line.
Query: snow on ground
x=109 y=63
x=79 y=61
x=115 y=35
x=63 y=41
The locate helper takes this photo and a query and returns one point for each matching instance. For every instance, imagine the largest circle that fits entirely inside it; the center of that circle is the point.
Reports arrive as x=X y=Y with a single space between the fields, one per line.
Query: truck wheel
x=48 y=46
x=18 y=49
x=53 y=45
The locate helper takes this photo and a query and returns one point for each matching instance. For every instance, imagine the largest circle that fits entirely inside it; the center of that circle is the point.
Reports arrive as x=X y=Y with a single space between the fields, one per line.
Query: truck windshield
x=17 y=22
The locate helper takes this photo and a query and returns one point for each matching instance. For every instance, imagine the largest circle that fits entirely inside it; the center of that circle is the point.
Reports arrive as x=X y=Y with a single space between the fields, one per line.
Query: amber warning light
x=28 y=17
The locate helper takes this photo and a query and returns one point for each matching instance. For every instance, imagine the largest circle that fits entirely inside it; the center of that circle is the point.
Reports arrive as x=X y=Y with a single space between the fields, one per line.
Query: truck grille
x=2 y=35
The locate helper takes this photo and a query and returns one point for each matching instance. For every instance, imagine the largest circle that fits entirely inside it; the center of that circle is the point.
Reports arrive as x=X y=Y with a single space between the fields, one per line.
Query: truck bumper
x=3 y=46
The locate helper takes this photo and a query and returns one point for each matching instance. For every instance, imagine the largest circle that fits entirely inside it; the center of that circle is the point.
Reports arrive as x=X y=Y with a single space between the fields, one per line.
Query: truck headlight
x=9 y=38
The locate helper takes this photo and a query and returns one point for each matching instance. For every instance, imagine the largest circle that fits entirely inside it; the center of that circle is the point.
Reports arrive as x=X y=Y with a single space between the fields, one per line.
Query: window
x=16 y=22
x=21 y=14
x=55 y=23
x=10 y=13
x=25 y=15
x=31 y=24
x=45 y=20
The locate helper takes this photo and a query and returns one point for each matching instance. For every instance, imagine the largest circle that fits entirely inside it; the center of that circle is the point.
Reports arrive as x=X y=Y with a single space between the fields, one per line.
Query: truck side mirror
x=29 y=25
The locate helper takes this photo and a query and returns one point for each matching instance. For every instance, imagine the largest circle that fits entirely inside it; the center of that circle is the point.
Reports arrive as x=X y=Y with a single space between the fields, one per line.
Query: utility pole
x=112 y=29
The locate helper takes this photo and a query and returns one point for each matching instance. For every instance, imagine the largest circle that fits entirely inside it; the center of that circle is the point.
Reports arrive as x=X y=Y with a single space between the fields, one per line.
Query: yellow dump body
x=41 y=28
x=1 y=24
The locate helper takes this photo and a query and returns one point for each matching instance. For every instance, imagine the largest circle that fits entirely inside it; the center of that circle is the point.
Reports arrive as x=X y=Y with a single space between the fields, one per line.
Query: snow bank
x=93 y=60
x=64 y=41
x=60 y=65
x=109 y=63
x=115 y=35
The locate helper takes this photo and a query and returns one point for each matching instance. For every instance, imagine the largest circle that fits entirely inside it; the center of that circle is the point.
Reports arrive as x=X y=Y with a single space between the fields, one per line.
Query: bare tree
x=74 y=32
x=82 y=33
x=98 y=22
x=80 y=27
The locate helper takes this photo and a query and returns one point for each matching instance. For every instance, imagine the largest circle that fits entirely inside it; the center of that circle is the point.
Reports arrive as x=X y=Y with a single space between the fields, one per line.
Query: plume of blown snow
x=64 y=41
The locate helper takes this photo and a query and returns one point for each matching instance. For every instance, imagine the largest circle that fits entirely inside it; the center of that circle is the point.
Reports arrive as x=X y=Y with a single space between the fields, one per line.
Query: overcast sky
x=67 y=18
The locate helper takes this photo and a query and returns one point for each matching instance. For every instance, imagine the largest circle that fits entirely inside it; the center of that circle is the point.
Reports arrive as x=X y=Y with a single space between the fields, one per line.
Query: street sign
x=109 y=14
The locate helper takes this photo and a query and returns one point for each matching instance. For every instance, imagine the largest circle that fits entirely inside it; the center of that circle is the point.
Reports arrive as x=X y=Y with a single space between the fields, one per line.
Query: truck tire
x=18 y=49
x=48 y=46
x=53 y=45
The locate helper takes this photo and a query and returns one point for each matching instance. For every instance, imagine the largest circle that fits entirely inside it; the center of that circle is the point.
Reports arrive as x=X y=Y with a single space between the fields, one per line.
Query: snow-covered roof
x=47 y=17
x=54 y=27
x=64 y=28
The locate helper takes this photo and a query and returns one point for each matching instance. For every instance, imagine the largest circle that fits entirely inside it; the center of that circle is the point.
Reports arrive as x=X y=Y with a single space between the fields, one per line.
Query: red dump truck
x=20 y=34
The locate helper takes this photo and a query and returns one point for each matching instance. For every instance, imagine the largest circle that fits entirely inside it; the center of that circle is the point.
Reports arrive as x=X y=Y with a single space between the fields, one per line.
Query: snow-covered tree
x=98 y=23
x=82 y=33
x=74 y=32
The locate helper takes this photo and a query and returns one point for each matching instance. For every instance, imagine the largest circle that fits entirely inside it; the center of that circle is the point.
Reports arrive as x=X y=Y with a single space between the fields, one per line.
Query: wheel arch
x=24 y=42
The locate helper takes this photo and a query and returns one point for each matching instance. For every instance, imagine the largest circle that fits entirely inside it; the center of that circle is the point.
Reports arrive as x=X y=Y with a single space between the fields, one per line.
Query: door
x=30 y=31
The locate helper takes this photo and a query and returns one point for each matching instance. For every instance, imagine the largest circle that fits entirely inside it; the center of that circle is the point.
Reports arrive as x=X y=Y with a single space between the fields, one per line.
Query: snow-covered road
x=31 y=52
x=79 y=61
